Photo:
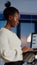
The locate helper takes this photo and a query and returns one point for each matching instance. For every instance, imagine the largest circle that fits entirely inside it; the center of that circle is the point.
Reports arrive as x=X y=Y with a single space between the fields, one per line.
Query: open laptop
x=34 y=41
x=32 y=55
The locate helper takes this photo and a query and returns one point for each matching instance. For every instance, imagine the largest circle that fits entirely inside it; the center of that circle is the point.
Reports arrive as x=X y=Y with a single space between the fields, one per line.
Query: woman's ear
x=10 y=17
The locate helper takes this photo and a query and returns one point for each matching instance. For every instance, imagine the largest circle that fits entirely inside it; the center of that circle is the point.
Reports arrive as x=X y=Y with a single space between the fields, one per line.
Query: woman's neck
x=8 y=26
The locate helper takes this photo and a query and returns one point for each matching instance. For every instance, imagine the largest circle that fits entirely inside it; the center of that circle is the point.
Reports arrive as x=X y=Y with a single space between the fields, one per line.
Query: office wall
x=25 y=6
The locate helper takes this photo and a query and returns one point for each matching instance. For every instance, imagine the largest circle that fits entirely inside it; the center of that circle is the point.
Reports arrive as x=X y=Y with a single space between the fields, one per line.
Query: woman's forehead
x=17 y=15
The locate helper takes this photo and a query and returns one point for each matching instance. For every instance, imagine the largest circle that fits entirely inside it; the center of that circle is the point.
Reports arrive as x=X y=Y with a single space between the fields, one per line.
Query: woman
x=10 y=44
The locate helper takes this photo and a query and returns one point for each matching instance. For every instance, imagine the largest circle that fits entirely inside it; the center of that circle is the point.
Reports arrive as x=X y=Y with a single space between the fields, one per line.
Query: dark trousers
x=14 y=63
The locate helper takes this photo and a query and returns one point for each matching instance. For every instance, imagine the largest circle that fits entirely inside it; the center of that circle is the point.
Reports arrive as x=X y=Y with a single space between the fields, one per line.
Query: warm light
x=35 y=56
x=29 y=38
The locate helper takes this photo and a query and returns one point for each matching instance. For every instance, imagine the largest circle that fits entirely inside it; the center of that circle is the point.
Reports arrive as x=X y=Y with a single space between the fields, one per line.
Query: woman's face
x=14 y=19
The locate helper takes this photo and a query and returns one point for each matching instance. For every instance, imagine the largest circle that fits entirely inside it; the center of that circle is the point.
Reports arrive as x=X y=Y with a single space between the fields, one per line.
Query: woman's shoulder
x=3 y=31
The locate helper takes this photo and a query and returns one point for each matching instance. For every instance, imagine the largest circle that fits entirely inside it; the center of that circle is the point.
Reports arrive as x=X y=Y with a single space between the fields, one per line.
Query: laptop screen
x=34 y=40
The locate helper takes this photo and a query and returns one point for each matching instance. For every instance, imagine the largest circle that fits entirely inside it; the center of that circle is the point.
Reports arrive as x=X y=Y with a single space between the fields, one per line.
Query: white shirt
x=10 y=46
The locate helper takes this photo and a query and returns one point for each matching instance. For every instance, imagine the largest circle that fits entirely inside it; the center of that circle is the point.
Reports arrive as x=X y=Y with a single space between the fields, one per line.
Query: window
x=26 y=30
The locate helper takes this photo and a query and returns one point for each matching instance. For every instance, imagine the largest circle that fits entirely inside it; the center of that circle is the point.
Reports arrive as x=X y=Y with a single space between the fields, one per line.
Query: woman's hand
x=26 y=49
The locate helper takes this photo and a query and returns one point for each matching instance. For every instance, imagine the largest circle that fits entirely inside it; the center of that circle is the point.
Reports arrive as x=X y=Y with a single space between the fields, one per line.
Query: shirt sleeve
x=5 y=51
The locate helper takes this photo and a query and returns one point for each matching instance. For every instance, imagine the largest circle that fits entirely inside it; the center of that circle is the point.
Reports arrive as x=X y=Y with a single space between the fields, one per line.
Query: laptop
x=34 y=41
x=30 y=56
